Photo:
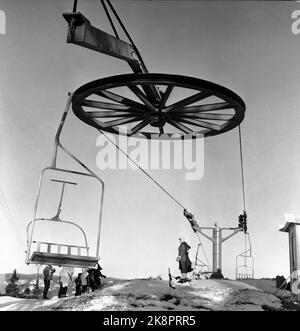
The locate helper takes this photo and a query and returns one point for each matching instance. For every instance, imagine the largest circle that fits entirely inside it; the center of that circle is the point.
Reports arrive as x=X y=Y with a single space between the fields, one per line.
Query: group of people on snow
x=88 y=278
x=91 y=278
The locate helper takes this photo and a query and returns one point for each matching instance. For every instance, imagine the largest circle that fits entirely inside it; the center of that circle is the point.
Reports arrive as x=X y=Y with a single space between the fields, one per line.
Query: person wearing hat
x=98 y=275
x=185 y=264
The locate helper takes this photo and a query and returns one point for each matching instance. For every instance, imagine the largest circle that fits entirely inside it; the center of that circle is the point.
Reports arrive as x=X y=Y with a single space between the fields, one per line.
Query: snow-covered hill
x=151 y=294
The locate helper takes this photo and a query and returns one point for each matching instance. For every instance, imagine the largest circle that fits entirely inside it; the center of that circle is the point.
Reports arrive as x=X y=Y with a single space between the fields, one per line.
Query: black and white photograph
x=149 y=158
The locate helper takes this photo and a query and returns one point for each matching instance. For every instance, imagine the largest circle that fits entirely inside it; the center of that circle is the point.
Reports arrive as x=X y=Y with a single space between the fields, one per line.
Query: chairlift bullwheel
x=149 y=112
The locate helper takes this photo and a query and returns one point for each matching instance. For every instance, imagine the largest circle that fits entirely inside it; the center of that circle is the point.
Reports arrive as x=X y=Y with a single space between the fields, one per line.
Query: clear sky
x=248 y=47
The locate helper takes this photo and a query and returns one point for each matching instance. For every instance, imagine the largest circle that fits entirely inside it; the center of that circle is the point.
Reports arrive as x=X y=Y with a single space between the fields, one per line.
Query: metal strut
x=59 y=208
x=109 y=18
x=247 y=254
x=242 y=167
x=128 y=36
x=82 y=33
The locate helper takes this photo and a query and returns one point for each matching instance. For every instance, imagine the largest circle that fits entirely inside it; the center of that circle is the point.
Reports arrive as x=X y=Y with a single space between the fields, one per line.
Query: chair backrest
x=59 y=246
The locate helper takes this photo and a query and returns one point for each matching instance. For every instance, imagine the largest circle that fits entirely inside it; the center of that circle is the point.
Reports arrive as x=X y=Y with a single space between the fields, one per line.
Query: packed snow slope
x=156 y=295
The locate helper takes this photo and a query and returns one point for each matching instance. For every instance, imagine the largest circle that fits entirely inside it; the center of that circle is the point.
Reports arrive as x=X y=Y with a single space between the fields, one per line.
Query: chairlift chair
x=77 y=256
x=200 y=267
x=245 y=262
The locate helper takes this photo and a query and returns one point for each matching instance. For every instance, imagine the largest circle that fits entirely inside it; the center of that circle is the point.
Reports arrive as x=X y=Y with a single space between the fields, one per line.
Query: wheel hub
x=158 y=120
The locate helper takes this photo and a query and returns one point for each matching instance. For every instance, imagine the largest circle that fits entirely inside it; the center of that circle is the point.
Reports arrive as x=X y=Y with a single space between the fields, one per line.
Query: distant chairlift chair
x=201 y=268
x=245 y=262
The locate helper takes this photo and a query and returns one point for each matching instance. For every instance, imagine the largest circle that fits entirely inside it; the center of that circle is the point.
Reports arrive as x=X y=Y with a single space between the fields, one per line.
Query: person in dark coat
x=98 y=275
x=185 y=264
x=91 y=279
x=94 y=277
x=78 y=285
x=48 y=276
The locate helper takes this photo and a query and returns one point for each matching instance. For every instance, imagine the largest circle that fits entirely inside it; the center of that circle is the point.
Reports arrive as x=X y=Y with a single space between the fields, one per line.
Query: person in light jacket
x=65 y=278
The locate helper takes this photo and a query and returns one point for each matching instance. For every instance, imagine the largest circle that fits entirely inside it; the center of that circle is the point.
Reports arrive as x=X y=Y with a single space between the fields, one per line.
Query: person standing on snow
x=83 y=279
x=98 y=275
x=48 y=276
x=185 y=264
x=65 y=278
x=78 y=285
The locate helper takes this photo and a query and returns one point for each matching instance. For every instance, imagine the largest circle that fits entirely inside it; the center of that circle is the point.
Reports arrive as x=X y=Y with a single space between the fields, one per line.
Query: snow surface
x=151 y=294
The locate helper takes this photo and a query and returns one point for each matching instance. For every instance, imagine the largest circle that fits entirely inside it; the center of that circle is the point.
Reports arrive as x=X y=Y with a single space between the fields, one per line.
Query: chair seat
x=75 y=261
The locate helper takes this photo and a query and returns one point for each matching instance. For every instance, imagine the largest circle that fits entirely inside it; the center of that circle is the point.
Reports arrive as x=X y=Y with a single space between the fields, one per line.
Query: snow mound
x=155 y=294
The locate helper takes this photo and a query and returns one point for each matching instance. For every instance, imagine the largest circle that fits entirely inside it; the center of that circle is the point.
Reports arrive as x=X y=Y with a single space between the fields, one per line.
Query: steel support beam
x=82 y=33
x=216 y=239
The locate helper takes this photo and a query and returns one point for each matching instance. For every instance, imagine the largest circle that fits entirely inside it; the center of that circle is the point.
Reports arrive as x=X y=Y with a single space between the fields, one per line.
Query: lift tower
x=217 y=237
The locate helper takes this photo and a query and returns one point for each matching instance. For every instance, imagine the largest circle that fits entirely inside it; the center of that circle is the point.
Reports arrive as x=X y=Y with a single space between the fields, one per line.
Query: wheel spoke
x=151 y=91
x=216 y=117
x=202 y=124
x=204 y=108
x=138 y=127
x=180 y=126
x=187 y=101
x=109 y=124
x=142 y=97
x=109 y=106
x=165 y=96
x=122 y=100
x=105 y=114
